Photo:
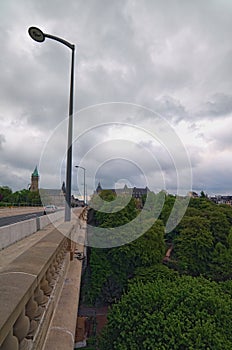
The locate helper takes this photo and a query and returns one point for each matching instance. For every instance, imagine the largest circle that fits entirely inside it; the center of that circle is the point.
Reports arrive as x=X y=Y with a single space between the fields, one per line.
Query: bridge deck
x=8 y=254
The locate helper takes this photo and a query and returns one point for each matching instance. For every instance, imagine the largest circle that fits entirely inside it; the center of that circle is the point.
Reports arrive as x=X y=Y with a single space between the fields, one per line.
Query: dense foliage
x=201 y=240
x=22 y=197
x=110 y=269
x=147 y=250
x=113 y=211
x=183 y=313
x=182 y=304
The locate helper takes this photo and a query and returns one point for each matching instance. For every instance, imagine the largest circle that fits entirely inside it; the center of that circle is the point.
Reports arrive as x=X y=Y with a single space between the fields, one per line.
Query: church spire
x=99 y=188
x=35 y=172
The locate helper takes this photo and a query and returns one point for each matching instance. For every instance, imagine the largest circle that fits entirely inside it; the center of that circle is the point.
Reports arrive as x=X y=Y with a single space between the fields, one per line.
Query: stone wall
x=30 y=287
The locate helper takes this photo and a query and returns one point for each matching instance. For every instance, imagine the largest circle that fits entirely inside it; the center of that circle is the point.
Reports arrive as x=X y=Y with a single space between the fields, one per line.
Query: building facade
x=136 y=192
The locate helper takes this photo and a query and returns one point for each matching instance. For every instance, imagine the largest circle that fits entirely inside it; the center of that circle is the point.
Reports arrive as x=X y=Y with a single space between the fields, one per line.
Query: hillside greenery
x=181 y=303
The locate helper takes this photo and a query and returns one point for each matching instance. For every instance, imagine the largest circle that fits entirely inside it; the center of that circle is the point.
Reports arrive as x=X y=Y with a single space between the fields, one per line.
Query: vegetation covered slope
x=184 y=304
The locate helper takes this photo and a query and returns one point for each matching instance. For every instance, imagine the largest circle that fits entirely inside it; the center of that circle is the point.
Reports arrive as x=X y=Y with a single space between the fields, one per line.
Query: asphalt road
x=8 y=220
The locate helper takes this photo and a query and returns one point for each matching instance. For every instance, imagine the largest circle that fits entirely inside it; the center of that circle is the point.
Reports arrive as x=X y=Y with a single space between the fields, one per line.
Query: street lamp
x=37 y=35
x=78 y=166
x=86 y=195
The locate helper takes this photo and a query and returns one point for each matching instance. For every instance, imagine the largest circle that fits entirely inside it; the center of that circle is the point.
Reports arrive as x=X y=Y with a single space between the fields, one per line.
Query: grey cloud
x=210 y=180
x=170 y=108
x=218 y=105
x=2 y=141
x=16 y=180
x=221 y=140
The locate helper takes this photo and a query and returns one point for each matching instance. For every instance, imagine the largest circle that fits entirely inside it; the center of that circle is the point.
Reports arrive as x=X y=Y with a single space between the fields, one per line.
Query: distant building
x=99 y=188
x=136 y=192
x=193 y=194
x=139 y=192
x=222 y=199
x=34 y=180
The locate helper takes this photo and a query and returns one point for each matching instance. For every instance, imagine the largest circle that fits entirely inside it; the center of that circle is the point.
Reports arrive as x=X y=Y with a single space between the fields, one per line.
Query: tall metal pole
x=84 y=188
x=78 y=166
x=69 y=149
x=37 y=35
x=86 y=195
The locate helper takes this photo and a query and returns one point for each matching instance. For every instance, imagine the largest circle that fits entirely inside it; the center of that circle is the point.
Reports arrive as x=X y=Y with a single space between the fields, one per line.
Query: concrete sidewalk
x=8 y=254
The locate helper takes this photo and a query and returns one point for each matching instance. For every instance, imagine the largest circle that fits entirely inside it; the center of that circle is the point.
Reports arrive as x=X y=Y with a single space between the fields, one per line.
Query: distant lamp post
x=78 y=166
x=37 y=35
x=86 y=195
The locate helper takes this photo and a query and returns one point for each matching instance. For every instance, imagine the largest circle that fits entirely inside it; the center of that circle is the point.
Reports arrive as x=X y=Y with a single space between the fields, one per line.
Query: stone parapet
x=30 y=287
x=61 y=334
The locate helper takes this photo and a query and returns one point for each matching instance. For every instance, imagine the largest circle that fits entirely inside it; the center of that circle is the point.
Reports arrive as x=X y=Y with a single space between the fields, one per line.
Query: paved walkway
x=10 y=253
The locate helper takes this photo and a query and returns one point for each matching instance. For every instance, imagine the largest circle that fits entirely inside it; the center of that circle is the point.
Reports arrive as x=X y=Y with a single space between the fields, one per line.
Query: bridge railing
x=29 y=289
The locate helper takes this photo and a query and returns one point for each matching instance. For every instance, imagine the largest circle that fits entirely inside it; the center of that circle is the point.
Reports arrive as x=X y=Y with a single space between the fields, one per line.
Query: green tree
x=193 y=246
x=203 y=195
x=100 y=270
x=219 y=225
x=186 y=313
x=110 y=269
x=108 y=195
x=5 y=194
x=24 y=197
x=167 y=208
x=152 y=273
x=201 y=203
x=221 y=266
x=146 y=250
x=227 y=210
x=34 y=198
x=111 y=213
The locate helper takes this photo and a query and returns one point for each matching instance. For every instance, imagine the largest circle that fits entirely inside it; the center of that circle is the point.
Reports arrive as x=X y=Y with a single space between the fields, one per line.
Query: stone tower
x=99 y=188
x=34 y=180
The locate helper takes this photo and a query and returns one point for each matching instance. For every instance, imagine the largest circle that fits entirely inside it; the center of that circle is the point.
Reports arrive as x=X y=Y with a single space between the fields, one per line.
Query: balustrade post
x=44 y=285
x=10 y=342
x=40 y=298
x=21 y=329
x=34 y=312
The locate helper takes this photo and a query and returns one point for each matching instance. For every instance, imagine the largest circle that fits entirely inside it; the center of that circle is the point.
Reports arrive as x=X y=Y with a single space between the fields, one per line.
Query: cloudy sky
x=153 y=93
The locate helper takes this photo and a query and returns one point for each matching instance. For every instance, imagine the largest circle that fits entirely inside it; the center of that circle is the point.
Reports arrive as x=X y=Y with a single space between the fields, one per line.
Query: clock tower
x=34 y=180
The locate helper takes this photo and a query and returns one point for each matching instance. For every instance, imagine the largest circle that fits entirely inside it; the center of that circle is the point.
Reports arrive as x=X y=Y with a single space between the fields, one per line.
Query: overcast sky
x=153 y=93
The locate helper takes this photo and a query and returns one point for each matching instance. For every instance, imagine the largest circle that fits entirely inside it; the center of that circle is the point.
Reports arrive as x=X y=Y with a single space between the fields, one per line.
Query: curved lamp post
x=78 y=166
x=37 y=35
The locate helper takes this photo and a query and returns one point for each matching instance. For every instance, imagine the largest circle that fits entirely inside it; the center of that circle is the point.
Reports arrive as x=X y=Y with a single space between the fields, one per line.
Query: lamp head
x=36 y=34
x=78 y=166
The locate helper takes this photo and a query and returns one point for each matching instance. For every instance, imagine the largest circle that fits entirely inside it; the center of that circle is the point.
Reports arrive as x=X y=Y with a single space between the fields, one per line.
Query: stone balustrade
x=30 y=286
